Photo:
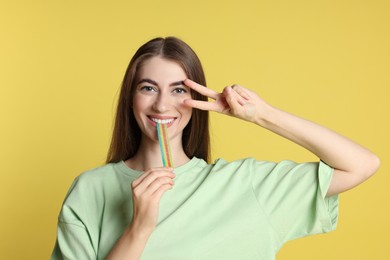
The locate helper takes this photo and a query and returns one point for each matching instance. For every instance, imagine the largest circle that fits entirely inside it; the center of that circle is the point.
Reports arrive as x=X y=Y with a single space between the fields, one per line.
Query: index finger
x=201 y=89
x=147 y=172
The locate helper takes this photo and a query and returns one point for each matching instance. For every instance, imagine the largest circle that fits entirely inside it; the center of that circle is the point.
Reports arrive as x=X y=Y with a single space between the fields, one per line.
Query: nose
x=162 y=103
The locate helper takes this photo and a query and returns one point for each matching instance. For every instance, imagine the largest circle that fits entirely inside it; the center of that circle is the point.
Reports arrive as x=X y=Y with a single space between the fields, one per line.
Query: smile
x=162 y=121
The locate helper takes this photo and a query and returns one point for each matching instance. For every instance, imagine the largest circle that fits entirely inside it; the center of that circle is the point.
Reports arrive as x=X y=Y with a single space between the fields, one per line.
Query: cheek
x=137 y=109
x=183 y=108
x=140 y=103
x=187 y=112
x=137 y=118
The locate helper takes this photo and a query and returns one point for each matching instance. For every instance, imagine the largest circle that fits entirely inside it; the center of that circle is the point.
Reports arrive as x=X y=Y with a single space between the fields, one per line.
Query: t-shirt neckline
x=122 y=166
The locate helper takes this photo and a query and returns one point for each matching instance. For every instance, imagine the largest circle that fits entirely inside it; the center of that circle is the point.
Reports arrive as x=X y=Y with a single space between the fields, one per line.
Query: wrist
x=131 y=244
x=134 y=232
x=265 y=115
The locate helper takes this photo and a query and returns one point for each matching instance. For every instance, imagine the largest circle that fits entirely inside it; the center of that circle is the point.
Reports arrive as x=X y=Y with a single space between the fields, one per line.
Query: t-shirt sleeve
x=72 y=242
x=73 y=237
x=294 y=198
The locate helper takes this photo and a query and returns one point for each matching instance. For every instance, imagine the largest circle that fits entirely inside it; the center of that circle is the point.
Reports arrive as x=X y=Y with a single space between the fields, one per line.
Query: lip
x=162 y=118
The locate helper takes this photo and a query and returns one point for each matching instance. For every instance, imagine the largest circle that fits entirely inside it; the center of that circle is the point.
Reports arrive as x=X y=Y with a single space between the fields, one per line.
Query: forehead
x=161 y=70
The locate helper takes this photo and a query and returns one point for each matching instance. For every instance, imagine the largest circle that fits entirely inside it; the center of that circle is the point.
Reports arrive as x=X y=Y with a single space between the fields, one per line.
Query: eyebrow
x=173 y=84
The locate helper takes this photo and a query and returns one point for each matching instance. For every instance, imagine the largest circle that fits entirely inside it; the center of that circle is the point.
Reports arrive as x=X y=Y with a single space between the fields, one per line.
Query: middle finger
x=201 y=89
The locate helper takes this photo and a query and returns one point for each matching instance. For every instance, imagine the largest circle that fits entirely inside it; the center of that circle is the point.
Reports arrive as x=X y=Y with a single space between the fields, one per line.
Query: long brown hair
x=126 y=137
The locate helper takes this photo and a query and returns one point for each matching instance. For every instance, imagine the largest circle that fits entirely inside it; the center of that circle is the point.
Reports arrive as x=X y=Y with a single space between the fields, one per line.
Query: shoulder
x=248 y=163
x=263 y=167
x=96 y=175
x=103 y=171
x=91 y=182
x=89 y=190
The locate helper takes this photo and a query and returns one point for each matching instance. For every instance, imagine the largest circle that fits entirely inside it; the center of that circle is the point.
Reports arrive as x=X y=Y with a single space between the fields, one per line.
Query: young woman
x=132 y=207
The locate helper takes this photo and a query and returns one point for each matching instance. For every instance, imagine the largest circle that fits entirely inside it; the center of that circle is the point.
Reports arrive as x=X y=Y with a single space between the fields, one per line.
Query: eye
x=148 y=89
x=180 y=91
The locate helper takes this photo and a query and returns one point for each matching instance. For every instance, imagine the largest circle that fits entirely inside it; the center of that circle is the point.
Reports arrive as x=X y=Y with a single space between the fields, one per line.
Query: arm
x=147 y=191
x=353 y=163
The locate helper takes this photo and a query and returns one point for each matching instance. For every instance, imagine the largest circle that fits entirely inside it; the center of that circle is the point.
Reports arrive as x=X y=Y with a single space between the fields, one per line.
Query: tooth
x=162 y=121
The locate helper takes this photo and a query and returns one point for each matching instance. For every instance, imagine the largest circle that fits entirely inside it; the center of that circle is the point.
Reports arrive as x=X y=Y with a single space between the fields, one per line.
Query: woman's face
x=159 y=97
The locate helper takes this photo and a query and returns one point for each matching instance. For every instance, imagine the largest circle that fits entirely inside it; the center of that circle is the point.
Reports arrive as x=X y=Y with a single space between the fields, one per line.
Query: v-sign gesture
x=234 y=101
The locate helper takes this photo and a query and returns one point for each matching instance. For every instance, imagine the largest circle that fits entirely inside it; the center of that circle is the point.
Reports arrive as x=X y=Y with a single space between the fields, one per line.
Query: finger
x=203 y=105
x=148 y=187
x=231 y=93
x=157 y=183
x=201 y=89
x=148 y=176
x=160 y=191
x=153 y=176
x=147 y=172
x=232 y=100
x=241 y=91
x=238 y=97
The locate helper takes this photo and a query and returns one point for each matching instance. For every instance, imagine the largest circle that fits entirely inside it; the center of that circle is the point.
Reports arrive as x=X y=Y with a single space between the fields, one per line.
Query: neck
x=149 y=155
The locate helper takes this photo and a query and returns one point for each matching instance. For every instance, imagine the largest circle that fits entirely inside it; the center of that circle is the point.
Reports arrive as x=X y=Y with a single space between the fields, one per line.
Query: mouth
x=167 y=121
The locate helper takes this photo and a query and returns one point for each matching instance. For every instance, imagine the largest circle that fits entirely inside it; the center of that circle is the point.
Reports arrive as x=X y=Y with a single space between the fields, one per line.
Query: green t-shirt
x=245 y=209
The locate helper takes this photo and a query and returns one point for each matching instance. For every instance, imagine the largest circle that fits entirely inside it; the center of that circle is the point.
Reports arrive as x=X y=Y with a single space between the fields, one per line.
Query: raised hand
x=234 y=101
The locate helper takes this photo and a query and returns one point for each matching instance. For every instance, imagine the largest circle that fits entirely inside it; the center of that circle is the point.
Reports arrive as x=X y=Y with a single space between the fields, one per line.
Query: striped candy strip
x=162 y=133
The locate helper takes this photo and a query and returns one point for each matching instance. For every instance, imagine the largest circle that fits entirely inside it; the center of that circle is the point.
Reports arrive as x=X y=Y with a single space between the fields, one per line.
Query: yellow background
x=62 y=62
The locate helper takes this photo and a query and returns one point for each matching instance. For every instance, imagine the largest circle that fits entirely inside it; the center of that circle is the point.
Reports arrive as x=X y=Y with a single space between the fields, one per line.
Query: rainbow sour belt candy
x=162 y=133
